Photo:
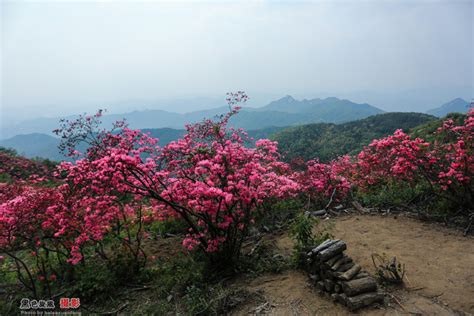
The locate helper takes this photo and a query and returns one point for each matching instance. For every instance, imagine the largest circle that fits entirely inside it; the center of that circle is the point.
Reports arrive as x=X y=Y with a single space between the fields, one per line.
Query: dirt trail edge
x=439 y=264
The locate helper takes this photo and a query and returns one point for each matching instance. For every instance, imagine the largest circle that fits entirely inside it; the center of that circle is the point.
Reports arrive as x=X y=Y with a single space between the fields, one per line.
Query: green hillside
x=328 y=141
x=427 y=131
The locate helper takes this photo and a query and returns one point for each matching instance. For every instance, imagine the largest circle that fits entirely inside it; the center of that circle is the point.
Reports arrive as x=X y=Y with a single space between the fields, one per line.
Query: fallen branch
x=359 y=207
x=330 y=199
x=397 y=301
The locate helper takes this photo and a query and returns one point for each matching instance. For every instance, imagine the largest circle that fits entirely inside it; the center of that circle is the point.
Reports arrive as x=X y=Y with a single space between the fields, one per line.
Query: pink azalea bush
x=19 y=169
x=445 y=165
x=24 y=210
x=46 y=231
x=209 y=179
x=322 y=183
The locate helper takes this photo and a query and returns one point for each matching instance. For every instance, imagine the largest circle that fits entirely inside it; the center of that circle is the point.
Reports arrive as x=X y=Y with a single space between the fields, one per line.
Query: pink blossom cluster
x=20 y=169
x=447 y=163
x=396 y=156
x=208 y=178
x=322 y=182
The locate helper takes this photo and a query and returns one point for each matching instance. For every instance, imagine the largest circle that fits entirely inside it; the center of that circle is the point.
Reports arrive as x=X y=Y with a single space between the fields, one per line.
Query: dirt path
x=439 y=264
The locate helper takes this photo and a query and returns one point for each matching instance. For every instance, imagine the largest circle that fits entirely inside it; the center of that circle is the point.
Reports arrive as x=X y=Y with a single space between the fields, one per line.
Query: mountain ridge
x=288 y=112
x=457 y=105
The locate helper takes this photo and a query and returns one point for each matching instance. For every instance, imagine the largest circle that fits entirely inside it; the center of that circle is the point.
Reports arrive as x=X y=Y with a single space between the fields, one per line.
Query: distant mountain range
x=331 y=110
x=455 y=106
x=34 y=145
x=34 y=138
x=284 y=112
x=46 y=146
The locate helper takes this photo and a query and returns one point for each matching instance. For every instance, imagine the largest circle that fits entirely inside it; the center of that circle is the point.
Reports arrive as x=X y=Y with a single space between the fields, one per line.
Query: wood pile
x=335 y=273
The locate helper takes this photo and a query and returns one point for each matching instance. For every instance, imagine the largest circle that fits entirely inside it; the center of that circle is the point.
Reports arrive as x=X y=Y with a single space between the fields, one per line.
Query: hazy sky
x=60 y=56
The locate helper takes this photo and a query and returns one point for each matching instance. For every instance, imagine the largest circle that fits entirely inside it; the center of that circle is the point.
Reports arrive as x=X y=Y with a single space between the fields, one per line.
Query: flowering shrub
x=23 y=214
x=46 y=230
x=396 y=156
x=454 y=151
x=323 y=183
x=446 y=165
x=16 y=168
x=209 y=179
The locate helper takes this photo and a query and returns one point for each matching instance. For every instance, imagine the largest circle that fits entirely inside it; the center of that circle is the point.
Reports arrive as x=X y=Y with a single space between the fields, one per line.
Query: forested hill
x=427 y=131
x=328 y=141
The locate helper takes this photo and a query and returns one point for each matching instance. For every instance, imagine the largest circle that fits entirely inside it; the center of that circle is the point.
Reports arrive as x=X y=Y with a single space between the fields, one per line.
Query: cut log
x=328 y=264
x=327 y=274
x=361 y=275
x=322 y=246
x=329 y=285
x=359 y=286
x=342 y=299
x=345 y=267
x=341 y=261
x=331 y=251
x=349 y=274
x=362 y=300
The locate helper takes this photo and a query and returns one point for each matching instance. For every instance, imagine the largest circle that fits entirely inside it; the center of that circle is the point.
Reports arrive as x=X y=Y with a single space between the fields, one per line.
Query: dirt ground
x=439 y=269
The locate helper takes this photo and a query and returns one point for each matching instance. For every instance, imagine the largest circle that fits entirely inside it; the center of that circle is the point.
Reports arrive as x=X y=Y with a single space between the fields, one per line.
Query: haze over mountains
x=286 y=111
x=34 y=138
x=456 y=105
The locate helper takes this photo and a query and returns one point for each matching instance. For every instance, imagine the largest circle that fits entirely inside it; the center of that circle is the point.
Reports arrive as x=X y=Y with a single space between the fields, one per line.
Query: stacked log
x=336 y=274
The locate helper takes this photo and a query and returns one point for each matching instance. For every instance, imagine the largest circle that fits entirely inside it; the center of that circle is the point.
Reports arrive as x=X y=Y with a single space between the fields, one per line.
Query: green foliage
x=275 y=215
x=5 y=178
x=328 y=141
x=184 y=286
x=210 y=300
x=392 y=193
x=419 y=195
x=302 y=232
x=263 y=259
x=166 y=227
x=8 y=151
x=174 y=275
x=93 y=282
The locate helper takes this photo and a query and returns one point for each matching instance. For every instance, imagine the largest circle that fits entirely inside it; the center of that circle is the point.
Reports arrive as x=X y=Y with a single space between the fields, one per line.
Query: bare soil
x=439 y=268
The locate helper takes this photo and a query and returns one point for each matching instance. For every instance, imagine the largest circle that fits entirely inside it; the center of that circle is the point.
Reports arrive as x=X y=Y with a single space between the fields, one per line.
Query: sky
x=64 y=57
